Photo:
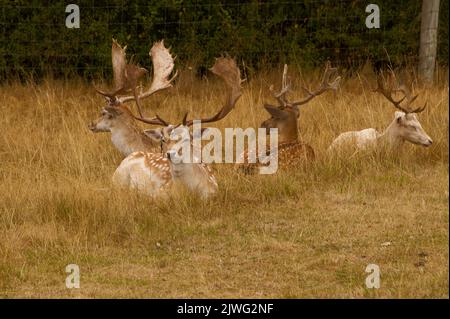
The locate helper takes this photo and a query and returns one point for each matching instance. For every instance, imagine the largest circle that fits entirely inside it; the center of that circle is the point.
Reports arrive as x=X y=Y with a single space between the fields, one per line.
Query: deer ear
x=399 y=117
x=275 y=111
x=154 y=134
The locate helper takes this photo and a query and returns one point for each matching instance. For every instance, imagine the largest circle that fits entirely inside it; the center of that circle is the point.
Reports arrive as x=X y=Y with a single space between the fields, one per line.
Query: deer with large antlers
x=284 y=117
x=116 y=117
x=404 y=127
x=152 y=172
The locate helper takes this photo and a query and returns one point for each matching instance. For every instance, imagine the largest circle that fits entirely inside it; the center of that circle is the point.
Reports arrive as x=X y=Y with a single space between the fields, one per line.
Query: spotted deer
x=404 y=127
x=152 y=173
x=116 y=117
x=156 y=173
x=284 y=117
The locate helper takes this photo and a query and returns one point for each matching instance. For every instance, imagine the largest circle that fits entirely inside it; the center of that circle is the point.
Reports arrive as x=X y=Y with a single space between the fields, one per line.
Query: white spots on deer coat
x=153 y=174
x=150 y=172
x=137 y=172
x=289 y=154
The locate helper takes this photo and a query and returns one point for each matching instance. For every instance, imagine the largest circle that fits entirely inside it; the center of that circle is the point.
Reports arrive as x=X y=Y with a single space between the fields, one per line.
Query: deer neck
x=195 y=176
x=128 y=138
x=289 y=133
x=187 y=174
x=391 y=136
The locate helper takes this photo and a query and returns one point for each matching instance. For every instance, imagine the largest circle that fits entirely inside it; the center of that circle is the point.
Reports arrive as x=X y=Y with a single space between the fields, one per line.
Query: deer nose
x=430 y=141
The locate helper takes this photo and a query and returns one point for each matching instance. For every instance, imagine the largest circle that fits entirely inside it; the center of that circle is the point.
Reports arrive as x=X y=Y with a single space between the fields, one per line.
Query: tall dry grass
x=308 y=232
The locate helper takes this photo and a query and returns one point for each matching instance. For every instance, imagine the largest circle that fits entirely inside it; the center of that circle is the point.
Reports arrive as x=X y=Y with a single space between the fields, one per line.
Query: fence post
x=428 y=40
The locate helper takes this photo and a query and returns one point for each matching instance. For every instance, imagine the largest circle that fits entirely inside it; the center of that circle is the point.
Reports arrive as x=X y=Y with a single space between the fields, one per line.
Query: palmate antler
x=228 y=71
x=387 y=93
x=325 y=85
x=127 y=76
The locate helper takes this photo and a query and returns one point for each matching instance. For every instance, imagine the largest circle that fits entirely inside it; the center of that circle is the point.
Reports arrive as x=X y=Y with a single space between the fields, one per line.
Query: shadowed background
x=34 y=38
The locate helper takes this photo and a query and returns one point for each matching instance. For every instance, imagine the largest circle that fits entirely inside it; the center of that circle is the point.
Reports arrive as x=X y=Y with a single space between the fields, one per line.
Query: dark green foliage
x=34 y=38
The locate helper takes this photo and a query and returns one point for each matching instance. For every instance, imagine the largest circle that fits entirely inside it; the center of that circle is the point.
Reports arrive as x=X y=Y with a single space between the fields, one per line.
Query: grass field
x=309 y=232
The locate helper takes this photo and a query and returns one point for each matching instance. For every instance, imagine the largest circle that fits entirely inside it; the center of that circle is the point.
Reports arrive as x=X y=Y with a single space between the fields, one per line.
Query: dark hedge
x=34 y=38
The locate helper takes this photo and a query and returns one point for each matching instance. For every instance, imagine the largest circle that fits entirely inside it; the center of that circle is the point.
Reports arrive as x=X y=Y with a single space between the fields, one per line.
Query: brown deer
x=284 y=117
x=152 y=173
x=116 y=117
x=404 y=127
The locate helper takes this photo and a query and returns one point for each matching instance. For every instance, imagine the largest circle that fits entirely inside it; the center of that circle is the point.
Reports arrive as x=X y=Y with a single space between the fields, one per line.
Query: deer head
x=112 y=117
x=406 y=126
x=168 y=134
x=126 y=80
x=284 y=115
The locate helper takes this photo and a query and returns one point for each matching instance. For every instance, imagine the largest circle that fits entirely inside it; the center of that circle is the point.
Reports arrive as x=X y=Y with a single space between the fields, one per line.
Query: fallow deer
x=155 y=173
x=404 y=127
x=116 y=117
x=152 y=172
x=284 y=117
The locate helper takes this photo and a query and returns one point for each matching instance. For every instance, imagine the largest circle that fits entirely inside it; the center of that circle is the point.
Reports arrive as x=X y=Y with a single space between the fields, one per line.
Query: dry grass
x=307 y=233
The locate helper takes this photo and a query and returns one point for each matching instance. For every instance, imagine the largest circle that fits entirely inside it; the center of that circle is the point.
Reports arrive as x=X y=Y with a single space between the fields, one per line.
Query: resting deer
x=152 y=172
x=404 y=127
x=155 y=173
x=284 y=117
x=116 y=117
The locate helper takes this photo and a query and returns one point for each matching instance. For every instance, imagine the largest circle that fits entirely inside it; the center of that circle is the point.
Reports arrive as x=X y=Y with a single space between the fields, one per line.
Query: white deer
x=404 y=127
x=153 y=173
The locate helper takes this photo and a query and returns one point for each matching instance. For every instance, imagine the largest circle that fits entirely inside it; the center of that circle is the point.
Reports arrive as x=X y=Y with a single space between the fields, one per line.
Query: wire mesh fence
x=35 y=38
